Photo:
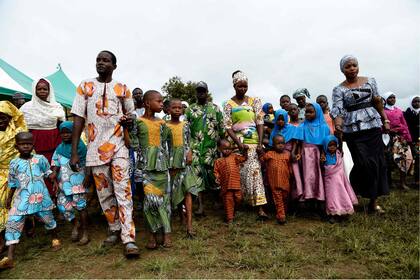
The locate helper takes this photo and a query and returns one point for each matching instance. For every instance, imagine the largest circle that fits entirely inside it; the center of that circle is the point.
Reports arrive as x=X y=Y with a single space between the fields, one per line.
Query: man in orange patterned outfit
x=105 y=105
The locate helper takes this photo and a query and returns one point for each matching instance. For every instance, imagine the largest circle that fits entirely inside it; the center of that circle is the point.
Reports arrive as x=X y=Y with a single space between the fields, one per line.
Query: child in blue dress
x=29 y=194
x=71 y=193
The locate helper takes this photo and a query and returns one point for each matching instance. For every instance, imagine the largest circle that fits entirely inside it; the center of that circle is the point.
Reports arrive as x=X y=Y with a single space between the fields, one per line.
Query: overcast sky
x=280 y=45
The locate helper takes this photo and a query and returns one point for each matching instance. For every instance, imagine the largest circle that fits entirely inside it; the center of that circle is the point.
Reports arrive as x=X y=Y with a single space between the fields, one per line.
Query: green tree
x=176 y=88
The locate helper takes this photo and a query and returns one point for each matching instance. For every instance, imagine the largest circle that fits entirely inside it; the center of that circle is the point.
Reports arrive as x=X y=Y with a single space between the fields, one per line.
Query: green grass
x=366 y=246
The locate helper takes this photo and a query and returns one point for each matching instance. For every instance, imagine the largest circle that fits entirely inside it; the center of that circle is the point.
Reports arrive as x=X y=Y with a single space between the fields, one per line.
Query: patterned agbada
x=243 y=120
x=206 y=126
x=183 y=178
x=152 y=140
x=101 y=105
x=8 y=152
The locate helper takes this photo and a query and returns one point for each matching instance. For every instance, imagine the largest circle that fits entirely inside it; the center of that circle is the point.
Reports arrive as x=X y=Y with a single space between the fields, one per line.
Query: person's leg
x=50 y=225
x=200 y=210
x=65 y=207
x=105 y=190
x=14 y=228
x=403 y=183
x=152 y=242
x=80 y=203
x=188 y=210
x=229 y=205
x=123 y=195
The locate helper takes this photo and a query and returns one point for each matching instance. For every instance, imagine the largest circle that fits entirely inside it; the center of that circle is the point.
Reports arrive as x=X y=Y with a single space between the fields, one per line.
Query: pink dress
x=398 y=123
x=339 y=195
x=313 y=185
x=296 y=186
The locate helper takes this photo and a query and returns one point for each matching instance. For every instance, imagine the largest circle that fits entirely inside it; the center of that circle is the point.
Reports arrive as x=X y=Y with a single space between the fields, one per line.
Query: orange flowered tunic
x=278 y=169
x=100 y=105
x=226 y=171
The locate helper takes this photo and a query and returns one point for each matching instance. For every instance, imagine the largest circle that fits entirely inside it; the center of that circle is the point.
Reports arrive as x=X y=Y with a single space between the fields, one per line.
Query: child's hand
x=87 y=179
x=55 y=187
x=189 y=158
x=296 y=157
x=323 y=158
x=127 y=120
x=9 y=203
x=53 y=176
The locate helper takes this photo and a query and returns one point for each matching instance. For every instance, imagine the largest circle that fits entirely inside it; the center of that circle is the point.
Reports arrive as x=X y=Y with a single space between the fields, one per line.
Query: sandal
x=131 y=250
x=151 y=245
x=262 y=217
x=6 y=263
x=190 y=234
x=84 y=240
x=111 y=240
x=56 y=244
x=377 y=210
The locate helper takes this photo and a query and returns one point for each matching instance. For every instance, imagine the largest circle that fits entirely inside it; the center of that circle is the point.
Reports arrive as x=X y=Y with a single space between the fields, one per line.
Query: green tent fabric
x=64 y=89
x=12 y=81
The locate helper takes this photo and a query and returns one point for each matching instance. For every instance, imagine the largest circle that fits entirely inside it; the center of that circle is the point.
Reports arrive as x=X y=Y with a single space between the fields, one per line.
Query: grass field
x=366 y=246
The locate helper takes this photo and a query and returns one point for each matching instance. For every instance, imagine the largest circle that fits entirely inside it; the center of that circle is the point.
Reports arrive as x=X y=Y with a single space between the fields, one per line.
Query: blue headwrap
x=331 y=159
x=265 y=107
x=287 y=131
x=64 y=149
x=313 y=132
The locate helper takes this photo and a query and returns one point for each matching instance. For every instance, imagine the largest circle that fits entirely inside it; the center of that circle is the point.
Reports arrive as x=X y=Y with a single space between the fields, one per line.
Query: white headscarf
x=411 y=106
x=239 y=76
x=385 y=96
x=42 y=115
x=346 y=59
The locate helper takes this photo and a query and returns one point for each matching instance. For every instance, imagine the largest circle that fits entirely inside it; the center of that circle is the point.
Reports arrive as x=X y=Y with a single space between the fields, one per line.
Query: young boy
x=285 y=102
x=72 y=186
x=29 y=194
x=184 y=181
x=152 y=138
x=293 y=114
x=278 y=173
x=226 y=171
x=322 y=100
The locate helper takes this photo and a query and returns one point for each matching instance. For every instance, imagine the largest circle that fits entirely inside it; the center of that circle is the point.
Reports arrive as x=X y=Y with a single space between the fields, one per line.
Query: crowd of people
x=244 y=152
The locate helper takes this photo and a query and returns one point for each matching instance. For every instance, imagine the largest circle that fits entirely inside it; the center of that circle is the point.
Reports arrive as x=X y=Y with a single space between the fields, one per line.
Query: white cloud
x=281 y=45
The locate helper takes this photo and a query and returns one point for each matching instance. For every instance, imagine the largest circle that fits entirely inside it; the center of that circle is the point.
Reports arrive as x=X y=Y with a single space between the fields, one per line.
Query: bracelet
x=387 y=121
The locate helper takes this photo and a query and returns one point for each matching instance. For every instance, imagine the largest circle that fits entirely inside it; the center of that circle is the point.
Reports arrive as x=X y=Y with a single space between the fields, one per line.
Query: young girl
x=184 y=182
x=322 y=100
x=278 y=172
x=72 y=187
x=399 y=147
x=151 y=138
x=294 y=114
x=226 y=171
x=339 y=195
x=29 y=194
x=287 y=130
x=310 y=134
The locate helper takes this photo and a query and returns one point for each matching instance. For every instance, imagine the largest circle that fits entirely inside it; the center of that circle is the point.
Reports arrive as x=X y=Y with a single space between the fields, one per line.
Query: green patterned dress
x=206 y=126
x=183 y=179
x=152 y=140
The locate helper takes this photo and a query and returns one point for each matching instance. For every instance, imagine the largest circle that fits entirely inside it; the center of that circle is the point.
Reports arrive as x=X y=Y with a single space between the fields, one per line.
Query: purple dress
x=339 y=195
x=296 y=185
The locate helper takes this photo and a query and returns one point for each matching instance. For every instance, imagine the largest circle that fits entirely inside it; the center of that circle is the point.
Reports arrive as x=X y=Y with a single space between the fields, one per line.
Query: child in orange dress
x=226 y=171
x=278 y=173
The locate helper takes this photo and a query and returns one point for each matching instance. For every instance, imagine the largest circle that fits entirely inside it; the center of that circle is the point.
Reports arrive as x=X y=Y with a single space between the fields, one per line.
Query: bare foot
x=151 y=244
x=167 y=241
